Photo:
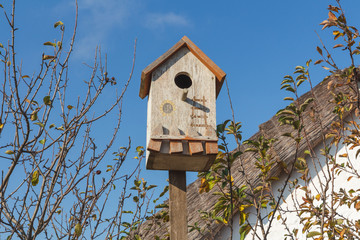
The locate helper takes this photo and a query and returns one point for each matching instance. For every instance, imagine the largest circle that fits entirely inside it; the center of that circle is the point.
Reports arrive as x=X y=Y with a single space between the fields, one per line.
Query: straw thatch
x=282 y=150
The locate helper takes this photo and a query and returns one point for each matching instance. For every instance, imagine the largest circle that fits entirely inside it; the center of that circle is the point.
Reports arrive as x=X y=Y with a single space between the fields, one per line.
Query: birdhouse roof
x=185 y=41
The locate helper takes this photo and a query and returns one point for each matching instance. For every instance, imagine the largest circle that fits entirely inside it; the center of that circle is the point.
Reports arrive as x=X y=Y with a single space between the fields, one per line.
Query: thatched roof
x=282 y=149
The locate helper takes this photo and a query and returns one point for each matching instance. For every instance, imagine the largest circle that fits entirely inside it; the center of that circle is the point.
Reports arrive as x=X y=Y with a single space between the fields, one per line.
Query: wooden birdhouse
x=182 y=86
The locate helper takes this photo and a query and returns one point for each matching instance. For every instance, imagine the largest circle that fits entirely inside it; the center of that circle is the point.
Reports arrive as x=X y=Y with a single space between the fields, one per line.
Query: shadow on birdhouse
x=182 y=86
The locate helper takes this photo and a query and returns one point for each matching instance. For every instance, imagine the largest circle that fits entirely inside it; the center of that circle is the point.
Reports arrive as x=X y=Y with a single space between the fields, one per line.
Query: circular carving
x=167 y=107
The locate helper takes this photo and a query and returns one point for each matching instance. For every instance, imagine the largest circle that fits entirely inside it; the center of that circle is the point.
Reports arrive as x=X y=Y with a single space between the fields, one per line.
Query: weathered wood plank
x=211 y=147
x=176 y=147
x=177 y=205
x=195 y=147
x=154 y=145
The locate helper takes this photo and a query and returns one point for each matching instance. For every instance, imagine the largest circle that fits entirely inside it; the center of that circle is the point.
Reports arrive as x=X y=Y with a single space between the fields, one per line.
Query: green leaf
x=47 y=100
x=51 y=126
x=313 y=234
x=151 y=186
x=166 y=189
x=50 y=44
x=78 y=229
x=244 y=230
x=42 y=141
x=59 y=23
x=35 y=178
x=39 y=123
x=163 y=205
x=127 y=212
x=60 y=128
x=1 y=46
x=47 y=57
x=136 y=199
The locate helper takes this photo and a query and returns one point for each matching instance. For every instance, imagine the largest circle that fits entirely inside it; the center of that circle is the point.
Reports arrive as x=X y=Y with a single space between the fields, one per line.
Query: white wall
x=318 y=170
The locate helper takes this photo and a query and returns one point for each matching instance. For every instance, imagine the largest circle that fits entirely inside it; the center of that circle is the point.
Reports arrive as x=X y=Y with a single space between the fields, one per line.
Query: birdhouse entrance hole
x=183 y=80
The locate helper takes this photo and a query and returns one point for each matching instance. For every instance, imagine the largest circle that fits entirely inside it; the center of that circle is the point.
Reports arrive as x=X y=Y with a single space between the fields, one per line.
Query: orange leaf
x=319 y=50
x=338 y=45
x=357 y=206
x=332 y=16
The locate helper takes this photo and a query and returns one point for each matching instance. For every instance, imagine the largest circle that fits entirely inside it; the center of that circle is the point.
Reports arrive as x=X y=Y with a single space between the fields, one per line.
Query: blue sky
x=255 y=42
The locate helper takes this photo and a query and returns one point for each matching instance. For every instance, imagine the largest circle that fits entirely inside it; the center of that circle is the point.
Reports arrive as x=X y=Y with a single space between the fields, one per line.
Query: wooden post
x=177 y=205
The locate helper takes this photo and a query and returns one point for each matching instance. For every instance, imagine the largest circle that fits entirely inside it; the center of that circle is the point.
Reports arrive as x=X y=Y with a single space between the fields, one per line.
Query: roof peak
x=184 y=41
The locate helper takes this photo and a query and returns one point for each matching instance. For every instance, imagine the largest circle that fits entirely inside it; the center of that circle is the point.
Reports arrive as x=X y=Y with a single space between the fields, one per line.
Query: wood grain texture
x=176 y=147
x=211 y=147
x=154 y=145
x=195 y=147
x=177 y=205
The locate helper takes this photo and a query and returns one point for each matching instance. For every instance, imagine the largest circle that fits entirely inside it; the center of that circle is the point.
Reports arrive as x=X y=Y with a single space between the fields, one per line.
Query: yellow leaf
x=59 y=23
x=9 y=152
x=35 y=178
x=47 y=57
x=344 y=155
x=8 y=63
x=318 y=197
x=33 y=116
x=1 y=126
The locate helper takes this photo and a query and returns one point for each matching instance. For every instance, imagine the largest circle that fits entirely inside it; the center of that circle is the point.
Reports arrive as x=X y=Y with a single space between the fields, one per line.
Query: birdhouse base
x=179 y=162
x=181 y=153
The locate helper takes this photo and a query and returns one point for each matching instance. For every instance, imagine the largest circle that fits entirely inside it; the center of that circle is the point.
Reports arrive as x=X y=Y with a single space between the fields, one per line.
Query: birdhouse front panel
x=181 y=119
x=186 y=106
